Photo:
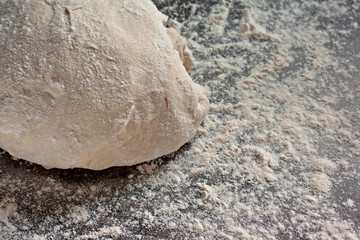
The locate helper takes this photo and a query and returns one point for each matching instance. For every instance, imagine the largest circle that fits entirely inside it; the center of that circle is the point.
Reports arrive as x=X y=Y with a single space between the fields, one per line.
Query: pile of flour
x=276 y=158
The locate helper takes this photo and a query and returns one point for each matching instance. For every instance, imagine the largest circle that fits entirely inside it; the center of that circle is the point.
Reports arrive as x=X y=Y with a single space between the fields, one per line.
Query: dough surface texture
x=2 y=2
x=94 y=84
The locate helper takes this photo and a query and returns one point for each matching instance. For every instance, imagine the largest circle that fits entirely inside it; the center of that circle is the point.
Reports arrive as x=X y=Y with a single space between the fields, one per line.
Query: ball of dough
x=94 y=84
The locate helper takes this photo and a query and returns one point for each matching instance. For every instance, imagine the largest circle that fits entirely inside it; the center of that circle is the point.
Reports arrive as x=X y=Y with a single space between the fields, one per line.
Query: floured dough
x=94 y=84
x=2 y=2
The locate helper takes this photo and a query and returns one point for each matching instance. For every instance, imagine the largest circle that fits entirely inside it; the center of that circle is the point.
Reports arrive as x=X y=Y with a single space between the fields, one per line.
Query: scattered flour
x=103 y=232
x=249 y=28
x=8 y=208
x=79 y=214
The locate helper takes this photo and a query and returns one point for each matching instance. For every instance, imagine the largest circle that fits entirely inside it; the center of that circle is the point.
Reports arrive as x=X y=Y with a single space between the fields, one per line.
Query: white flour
x=274 y=159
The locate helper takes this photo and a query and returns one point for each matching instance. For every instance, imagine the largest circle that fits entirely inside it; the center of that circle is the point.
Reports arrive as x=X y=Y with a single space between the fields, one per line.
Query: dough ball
x=94 y=84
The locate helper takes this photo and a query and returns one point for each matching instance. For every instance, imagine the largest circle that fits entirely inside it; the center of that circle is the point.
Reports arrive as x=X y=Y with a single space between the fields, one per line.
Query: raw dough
x=94 y=84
